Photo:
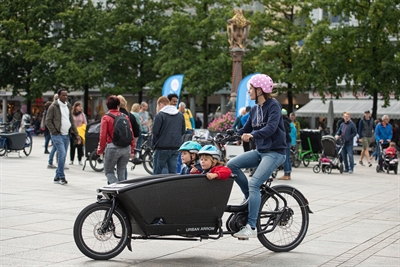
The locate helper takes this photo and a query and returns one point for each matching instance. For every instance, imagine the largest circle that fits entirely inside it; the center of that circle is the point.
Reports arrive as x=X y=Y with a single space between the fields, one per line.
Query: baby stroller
x=92 y=136
x=331 y=157
x=387 y=162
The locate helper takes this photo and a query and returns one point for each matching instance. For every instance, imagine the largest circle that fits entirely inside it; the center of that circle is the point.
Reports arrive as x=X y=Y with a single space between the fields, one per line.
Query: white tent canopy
x=356 y=108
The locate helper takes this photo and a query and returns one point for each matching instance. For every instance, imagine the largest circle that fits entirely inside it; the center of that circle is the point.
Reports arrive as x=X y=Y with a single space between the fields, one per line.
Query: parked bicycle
x=144 y=156
x=15 y=141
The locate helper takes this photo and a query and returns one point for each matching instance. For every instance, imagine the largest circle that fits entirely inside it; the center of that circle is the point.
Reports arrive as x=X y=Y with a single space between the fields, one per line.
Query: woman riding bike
x=264 y=126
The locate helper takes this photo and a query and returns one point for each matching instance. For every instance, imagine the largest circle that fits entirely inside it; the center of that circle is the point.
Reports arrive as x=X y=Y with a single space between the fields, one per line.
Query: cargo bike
x=185 y=208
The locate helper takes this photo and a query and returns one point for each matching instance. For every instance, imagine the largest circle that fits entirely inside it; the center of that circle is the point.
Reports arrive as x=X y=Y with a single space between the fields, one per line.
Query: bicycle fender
x=291 y=188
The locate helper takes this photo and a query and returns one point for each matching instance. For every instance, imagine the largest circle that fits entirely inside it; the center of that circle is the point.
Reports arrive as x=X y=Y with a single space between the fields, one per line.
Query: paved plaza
x=356 y=221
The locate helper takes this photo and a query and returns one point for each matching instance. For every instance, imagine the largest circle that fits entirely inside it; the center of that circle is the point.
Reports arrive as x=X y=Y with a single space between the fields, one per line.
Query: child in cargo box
x=189 y=157
x=211 y=165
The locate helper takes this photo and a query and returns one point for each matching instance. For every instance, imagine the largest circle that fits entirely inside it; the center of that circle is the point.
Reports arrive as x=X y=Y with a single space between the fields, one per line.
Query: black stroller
x=92 y=136
x=386 y=162
x=331 y=157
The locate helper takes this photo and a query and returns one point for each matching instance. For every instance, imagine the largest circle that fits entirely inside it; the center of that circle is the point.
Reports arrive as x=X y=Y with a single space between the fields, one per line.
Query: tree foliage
x=276 y=32
x=196 y=45
x=355 y=56
x=26 y=32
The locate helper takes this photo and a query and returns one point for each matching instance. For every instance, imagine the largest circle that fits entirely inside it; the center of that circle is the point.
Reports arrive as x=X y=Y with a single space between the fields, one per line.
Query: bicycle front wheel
x=291 y=228
x=148 y=162
x=96 y=241
x=28 y=145
x=95 y=162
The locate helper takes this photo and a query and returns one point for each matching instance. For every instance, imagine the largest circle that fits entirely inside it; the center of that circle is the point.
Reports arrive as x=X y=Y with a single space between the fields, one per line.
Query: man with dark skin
x=61 y=124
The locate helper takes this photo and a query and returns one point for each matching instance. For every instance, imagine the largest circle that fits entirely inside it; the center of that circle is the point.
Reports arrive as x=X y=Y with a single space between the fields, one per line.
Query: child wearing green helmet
x=189 y=157
x=212 y=166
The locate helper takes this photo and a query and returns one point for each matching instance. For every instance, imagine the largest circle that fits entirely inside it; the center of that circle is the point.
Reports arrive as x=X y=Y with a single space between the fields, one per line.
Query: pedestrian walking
x=347 y=131
x=116 y=142
x=80 y=123
x=287 y=165
x=168 y=128
x=366 y=128
x=60 y=122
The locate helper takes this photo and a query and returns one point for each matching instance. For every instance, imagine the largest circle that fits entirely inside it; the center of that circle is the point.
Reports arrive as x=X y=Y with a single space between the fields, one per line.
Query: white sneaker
x=244 y=201
x=246 y=232
x=80 y=163
x=71 y=163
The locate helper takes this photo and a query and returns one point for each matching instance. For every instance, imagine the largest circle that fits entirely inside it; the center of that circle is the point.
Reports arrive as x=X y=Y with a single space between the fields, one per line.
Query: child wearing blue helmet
x=212 y=166
x=189 y=157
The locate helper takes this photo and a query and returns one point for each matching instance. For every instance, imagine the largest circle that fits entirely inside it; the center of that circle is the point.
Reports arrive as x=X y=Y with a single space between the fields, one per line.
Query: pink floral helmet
x=263 y=81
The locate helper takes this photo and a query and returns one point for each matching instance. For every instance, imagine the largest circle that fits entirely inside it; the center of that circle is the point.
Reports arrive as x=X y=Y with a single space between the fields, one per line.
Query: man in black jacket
x=168 y=128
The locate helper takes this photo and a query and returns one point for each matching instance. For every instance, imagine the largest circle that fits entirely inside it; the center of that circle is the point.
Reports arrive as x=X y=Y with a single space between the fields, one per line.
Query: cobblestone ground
x=355 y=222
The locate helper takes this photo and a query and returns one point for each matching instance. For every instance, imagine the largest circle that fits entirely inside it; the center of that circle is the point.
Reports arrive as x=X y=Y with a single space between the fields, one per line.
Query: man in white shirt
x=60 y=123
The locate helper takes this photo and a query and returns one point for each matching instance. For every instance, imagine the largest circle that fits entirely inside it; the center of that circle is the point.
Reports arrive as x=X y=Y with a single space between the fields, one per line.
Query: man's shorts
x=366 y=141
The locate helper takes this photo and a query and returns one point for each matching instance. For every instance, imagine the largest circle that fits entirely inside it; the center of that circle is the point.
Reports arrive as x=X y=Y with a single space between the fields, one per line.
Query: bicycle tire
x=95 y=162
x=28 y=145
x=306 y=160
x=297 y=161
x=3 y=147
x=316 y=169
x=291 y=229
x=92 y=241
x=148 y=162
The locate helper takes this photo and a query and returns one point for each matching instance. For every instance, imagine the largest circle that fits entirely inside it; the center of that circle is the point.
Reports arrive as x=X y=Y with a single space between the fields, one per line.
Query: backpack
x=122 y=131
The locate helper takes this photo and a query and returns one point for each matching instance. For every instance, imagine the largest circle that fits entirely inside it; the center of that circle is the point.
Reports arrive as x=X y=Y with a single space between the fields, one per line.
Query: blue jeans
x=287 y=165
x=47 y=138
x=348 y=158
x=267 y=162
x=51 y=155
x=162 y=158
x=61 y=143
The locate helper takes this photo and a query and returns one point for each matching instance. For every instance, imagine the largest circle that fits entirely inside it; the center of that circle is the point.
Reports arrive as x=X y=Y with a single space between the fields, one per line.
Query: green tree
x=131 y=42
x=276 y=32
x=196 y=45
x=360 y=50
x=26 y=31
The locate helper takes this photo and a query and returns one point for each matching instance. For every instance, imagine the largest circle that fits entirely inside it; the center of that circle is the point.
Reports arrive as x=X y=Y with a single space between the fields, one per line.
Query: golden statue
x=238 y=29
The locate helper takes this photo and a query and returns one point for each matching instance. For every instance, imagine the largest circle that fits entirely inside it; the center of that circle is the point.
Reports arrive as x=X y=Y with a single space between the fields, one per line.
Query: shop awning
x=356 y=108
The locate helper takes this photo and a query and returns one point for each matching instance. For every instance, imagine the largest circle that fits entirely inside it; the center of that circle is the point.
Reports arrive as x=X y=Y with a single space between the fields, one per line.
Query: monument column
x=238 y=30
x=237 y=55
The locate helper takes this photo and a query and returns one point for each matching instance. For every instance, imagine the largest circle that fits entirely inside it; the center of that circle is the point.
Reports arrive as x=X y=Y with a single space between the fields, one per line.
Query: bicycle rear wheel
x=148 y=162
x=95 y=162
x=28 y=145
x=292 y=226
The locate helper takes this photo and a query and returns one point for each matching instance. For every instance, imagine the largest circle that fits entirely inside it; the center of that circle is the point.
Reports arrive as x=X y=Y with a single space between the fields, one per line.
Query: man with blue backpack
x=116 y=141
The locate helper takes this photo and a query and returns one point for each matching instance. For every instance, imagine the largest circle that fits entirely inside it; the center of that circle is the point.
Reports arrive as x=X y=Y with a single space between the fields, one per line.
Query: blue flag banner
x=243 y=97
x=173 y=85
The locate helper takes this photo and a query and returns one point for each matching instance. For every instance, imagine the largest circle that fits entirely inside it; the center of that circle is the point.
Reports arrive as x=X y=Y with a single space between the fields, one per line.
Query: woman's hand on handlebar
x=247 y=137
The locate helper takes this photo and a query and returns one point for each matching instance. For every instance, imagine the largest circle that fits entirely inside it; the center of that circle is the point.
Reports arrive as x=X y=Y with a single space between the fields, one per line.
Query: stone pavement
x=355 y=221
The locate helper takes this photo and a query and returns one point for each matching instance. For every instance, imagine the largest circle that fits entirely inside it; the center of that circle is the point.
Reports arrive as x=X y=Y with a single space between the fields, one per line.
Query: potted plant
x=221 y=124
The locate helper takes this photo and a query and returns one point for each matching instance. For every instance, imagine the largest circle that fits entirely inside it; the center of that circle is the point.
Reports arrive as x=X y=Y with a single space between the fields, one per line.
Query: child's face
x=186 y=157
x=206 y=162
